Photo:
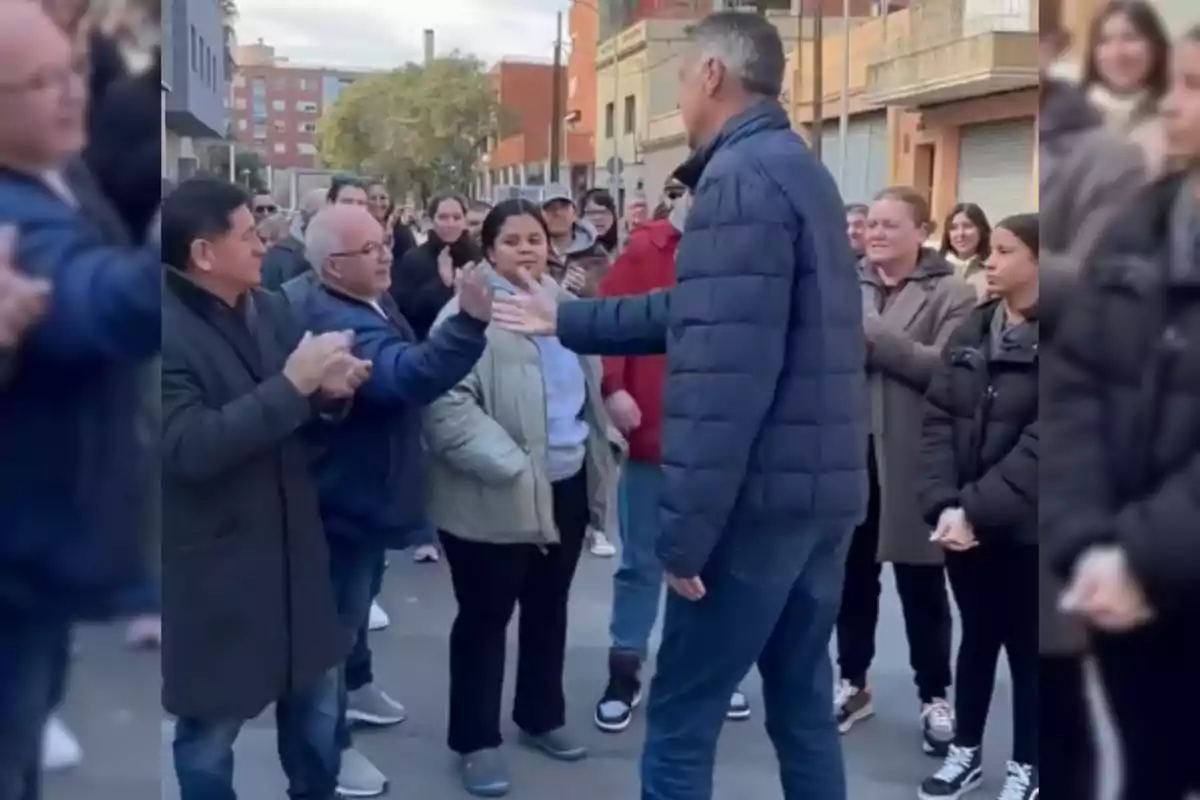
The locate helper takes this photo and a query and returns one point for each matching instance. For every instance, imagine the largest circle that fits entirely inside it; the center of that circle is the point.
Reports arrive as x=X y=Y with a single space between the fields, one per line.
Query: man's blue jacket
x=370 y=467
x=70 y=455
x=765 y=410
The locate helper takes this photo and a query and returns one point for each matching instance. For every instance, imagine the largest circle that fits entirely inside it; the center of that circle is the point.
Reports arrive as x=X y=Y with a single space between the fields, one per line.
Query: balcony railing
x=958 y=48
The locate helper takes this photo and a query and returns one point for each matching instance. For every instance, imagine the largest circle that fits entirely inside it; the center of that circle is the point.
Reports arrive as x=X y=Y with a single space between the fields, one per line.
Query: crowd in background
x=793 y=391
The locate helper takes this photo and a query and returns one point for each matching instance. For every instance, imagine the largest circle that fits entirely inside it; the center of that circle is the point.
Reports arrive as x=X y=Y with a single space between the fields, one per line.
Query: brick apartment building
x=520 y=156
x=275 y=105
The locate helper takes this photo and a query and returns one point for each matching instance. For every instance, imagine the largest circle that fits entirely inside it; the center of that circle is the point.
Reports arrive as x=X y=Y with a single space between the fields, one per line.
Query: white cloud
x=385 y=33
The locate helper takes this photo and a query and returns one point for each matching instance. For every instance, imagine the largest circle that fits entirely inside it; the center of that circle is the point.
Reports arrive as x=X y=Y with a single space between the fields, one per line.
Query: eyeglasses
x=265 y=209
x=370 y=249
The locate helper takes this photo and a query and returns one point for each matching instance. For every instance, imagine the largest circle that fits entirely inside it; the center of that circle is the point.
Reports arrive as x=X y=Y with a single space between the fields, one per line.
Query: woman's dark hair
x=341 y=182
x=501 y=213
x=1026 y=228
x=438 y=199
x=915 y=201
x=978 y=219
x=602 y=197
x=1149 y=25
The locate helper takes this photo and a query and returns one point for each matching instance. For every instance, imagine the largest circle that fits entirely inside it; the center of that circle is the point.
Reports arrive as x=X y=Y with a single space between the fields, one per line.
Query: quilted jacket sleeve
x=729 y=320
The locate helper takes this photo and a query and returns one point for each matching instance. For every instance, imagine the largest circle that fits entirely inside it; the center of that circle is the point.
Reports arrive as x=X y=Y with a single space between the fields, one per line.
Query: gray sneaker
x=484 y=774
x=370 y=705
x=556 y=744
x=359 y=777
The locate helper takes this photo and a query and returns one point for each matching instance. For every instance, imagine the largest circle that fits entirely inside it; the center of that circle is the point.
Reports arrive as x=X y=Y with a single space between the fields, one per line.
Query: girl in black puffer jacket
x=420 y=286
x=978 y=493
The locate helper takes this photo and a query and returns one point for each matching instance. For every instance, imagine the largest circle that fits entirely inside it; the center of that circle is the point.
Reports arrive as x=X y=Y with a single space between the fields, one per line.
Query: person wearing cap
x=574 y=243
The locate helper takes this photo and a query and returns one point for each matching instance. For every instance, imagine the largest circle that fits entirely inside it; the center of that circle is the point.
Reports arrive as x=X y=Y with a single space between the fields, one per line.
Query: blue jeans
x=772 y=600
x=306 y=727
x=356 y=571
x=33 y=665
x=638 y=582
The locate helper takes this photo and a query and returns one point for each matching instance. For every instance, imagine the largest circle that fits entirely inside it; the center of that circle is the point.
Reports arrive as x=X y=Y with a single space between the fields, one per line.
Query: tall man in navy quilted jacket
x=764 y=421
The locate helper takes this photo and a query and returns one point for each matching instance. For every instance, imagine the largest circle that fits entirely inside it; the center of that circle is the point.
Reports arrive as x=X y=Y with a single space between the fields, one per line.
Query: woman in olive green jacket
x=522 y=459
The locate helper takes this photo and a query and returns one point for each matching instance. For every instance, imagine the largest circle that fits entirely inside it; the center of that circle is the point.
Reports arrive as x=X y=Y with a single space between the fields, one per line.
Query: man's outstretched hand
x=532 y=311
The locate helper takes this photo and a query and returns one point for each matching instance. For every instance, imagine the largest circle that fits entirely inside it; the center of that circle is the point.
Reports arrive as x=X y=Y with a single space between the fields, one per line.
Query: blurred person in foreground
x=764 y=421
x=1088 y=175
x=1120 y=488
x=633 y=395
x=367 y=511
x=285 y=259
x=249 y=617
x=83 y=313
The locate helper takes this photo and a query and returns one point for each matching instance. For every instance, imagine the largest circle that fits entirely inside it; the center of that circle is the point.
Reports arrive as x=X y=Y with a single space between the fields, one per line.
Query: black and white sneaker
x=614 y=712
x=961 y=771
x=1021 y=782
x=938 y=728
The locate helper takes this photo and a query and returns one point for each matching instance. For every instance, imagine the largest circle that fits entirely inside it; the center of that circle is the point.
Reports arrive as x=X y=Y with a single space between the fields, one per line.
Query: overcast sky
x=385 y=33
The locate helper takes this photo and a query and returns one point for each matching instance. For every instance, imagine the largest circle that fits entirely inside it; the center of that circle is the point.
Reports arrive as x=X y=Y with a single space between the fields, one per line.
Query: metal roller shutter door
x=867 y=169
x=995 y=167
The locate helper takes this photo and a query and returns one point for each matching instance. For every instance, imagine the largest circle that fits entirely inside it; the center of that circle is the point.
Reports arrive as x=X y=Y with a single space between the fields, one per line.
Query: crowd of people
x=756 y=395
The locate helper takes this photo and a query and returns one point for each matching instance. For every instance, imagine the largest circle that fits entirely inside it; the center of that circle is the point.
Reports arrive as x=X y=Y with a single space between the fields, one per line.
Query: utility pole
x=844 y=116
x=556 y=103
x=818 y=106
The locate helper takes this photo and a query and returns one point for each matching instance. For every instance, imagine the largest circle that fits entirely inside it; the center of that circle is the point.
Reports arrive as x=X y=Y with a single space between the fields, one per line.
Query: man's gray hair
x=748 y=45
x=322 y=240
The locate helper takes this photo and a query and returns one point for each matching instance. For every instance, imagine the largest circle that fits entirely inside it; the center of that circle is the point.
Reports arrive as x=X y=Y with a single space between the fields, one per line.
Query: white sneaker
x=60 y=748
x=359 y=777
x=378 y=619
x=600 y=545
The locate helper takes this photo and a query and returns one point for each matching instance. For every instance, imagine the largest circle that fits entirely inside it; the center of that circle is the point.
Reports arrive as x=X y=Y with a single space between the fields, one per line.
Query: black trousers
x=1149 y=677
x=1068 y=762
x=923 y=599
x=996 y=588
x=490 y=580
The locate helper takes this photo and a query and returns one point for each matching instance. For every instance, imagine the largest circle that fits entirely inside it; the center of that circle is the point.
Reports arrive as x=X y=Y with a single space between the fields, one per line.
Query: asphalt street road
x=113 y=707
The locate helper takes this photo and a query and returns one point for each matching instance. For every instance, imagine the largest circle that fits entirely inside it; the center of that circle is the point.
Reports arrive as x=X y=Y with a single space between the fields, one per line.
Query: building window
x=239 y=81
x=280 y=126
x=304 y=87
x=239 y=103
x=281 y=147
x=212 y=69
x=259 y=88
x=610 y=120
x=307 y=127
x=193 y=50
x=279 y=105
x=306 y=149
x=260 y=130
x=242 y=124
x=630 y=113
x=306 y=107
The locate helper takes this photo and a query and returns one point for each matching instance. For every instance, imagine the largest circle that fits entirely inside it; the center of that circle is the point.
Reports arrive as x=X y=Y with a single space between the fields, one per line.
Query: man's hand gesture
x=23 y=300
x=532 y=311
x=315 y=360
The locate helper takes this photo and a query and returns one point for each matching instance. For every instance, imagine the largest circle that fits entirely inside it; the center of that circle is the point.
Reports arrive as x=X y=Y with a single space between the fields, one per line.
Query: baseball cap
x=556 y=192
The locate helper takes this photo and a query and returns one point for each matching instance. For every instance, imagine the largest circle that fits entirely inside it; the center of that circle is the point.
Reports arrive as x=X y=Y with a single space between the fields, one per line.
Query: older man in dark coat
x=248 y=611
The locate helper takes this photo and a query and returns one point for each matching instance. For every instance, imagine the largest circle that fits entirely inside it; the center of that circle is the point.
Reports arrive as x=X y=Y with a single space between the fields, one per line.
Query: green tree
x=423 y=127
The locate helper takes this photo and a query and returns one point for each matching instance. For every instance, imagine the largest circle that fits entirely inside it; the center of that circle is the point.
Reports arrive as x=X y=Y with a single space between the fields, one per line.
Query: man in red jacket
x=633 y=391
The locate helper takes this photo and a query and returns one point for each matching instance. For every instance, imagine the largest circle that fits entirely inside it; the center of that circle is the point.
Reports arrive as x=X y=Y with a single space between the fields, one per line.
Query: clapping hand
x=474 y=292
x=575 y=280
x=954 y=532
x=532 y=311
x=1105 y=592
x=445 y=267
x=343 y=376
x=23 y=300
x=318 y=360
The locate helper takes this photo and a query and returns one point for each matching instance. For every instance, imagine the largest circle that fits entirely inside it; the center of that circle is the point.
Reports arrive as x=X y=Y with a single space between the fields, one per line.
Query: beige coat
x=488 y=447
x=905 y=344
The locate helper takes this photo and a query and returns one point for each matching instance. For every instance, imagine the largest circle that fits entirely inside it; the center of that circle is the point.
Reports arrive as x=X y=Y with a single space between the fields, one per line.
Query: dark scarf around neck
x=462 y=251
